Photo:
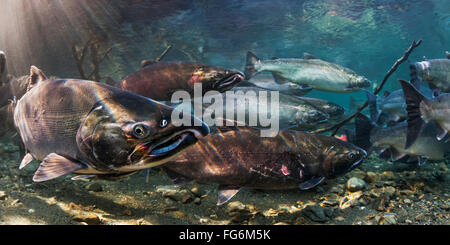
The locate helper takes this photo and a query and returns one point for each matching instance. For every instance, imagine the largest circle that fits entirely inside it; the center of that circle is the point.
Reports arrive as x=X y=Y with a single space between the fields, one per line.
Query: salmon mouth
x=228 y=82
x=157 y=153
x=173 y=145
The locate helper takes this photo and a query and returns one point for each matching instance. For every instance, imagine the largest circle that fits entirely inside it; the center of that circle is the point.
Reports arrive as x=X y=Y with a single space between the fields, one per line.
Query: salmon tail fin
x=363 y=127
x=250 y=69
x=413 y=98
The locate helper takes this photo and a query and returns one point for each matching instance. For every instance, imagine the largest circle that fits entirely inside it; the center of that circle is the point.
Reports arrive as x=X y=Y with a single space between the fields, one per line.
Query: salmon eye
x=163 y=123
x=140 y=131
x=351 y=156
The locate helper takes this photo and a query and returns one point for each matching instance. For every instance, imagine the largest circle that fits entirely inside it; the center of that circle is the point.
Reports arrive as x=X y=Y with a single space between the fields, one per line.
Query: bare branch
x=164 y=53
x=337 y=126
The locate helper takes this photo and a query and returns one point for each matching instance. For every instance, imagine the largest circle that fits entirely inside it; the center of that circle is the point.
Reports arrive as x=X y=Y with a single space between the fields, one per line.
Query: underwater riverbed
x=391 y=194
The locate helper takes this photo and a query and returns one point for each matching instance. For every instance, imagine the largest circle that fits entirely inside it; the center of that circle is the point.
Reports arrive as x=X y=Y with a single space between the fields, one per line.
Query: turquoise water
x=366 y=36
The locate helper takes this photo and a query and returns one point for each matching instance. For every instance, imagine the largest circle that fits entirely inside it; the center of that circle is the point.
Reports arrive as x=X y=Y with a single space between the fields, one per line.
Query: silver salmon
x=294 y=113
x=369 y=136
x=421 y=110
x=436 y=72
x=310 y=71
x=268 y=82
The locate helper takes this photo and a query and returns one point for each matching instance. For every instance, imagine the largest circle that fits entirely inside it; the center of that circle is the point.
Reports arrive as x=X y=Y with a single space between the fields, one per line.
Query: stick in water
x=337 y=126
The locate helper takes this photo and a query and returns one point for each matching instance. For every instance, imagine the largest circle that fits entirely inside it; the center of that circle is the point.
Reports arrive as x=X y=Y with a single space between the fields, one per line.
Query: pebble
x=95 y=187
x=178 y=215
x=339 y=218
x=387 y=175
x=350 y=200
x=174 y=193
x=186 y=199
x=357 y=173
x=90 y=219
x=372 y=177
x=355 y=184
x=280 y=223
x=389 y=190
x=389 y=219
x=331 y=199
x=170 y=202
x=235 y=206
x=198 y=201
x=197 y=191
x=15 y=202
x=3 y=195
x=238 y=211
x=407 y=192
x=317 y=213
x=338 y=189
x=270 y=213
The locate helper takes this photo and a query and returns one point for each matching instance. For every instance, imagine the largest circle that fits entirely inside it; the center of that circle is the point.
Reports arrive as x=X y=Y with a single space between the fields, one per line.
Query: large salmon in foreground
x=88 y=128
x=241 y=159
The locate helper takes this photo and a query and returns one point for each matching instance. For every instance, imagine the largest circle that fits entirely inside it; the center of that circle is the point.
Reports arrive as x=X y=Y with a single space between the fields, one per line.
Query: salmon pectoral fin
x=54 y=166
x=27 y=159
x=226 y=193
x=311 y=183
x=396 y=155
x=441 y=132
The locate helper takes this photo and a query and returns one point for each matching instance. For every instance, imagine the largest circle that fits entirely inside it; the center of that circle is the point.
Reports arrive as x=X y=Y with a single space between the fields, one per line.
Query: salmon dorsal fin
x=36 y=76
x=308 y=56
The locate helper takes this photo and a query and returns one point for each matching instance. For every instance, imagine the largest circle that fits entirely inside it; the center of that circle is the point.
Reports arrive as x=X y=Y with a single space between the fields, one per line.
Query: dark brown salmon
x=11 y=89
x=89 y=128
x=160 y=80
x=241 y=158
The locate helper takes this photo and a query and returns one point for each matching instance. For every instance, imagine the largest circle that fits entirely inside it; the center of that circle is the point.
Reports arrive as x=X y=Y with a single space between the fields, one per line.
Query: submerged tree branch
x=337 y=126
x=80 y=53
x=163 y=54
